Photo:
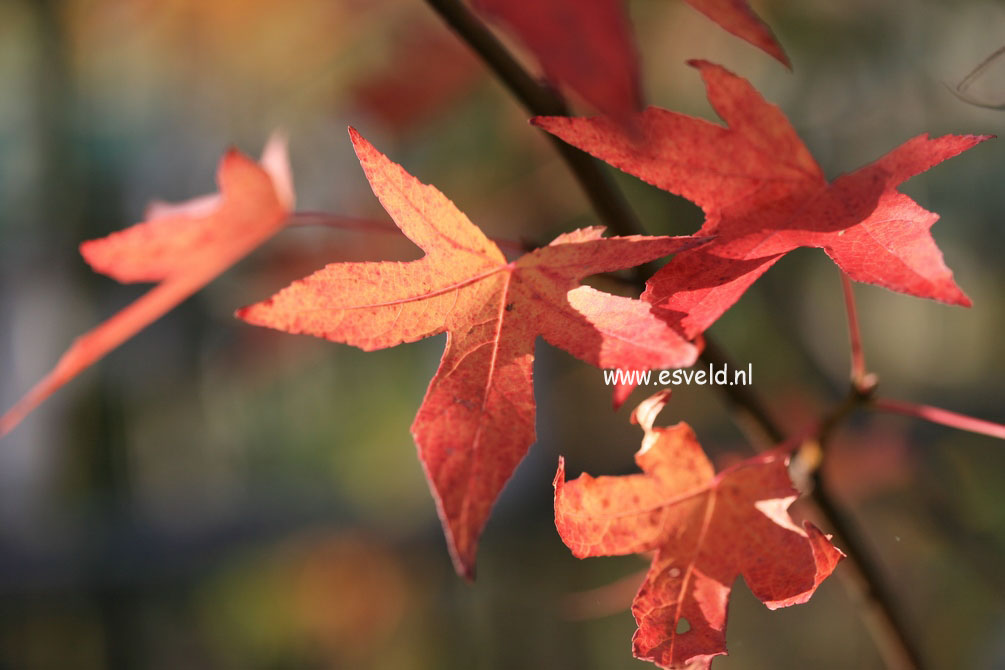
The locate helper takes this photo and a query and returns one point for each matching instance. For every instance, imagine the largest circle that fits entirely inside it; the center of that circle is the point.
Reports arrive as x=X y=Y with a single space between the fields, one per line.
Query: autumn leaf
x=428 y=72
x=183 y=247
x=589 y=46
x=477 y=419
x=763 y=195
x=737 y=17
x=706 y=529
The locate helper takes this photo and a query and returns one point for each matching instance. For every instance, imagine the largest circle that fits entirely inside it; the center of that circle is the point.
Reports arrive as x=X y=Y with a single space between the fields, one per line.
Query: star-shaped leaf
x=763 y=195
x=182 y=247
x=589 y=46
x=477 y=419
x=705 y=530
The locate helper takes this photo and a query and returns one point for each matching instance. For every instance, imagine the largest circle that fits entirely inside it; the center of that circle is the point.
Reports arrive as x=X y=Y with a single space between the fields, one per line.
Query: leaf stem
x=942 y=416
x=311 y=218
x=612 y=208
x=859 y=373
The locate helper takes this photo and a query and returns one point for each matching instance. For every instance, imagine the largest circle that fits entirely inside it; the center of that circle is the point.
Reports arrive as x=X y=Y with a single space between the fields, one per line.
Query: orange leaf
x=183 y=247
x=706 y=530
x=477 y=419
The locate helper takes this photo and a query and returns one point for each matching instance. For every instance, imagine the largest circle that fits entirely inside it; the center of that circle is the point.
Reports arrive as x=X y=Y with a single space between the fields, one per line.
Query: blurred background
x=213 y=495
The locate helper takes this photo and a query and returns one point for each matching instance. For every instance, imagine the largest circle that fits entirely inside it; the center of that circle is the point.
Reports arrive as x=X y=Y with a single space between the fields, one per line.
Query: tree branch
x=613 y=210
x=863 y=578
x=541 y=100
x=742 y=397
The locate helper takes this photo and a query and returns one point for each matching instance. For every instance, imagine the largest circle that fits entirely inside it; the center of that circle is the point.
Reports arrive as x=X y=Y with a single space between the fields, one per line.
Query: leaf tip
x=361 y=145
x=275 y=160
x=234 y=168
x=231 y=159
x=464 y=563
x=559 y=474
x=466 y=572
x=707 y=67
x=699 y=63
x=359 y=142
x=253 y=313
x=620 y=395
x=546 y=123
x=8 y=422
x=87 y=250
x=952 y=294
x=645 y=414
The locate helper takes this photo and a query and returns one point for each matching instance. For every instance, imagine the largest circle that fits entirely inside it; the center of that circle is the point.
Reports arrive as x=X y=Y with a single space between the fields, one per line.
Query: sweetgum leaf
x=737 y=17
x=589 y=46
x=763 y=195
x=705 y=530
x=183 y=247
x=477 y=419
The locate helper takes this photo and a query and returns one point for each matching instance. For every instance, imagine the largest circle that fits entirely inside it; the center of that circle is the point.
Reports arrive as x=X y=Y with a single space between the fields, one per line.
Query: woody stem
x=612 y=208
x=542 y=100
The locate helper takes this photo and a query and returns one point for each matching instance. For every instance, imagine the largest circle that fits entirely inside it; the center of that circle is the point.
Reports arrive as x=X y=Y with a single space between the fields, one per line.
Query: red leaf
x=589 y=47
x=183 y=247
x=477 y=419
x=706 y=530
x=763 y=195
x=737 y=17
x=428 y=72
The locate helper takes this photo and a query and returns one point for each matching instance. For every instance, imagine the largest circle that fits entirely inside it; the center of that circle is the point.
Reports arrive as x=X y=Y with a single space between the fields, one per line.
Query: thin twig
x=311 y=218
x=612 y=208
x=960 y=90
x=942 y=416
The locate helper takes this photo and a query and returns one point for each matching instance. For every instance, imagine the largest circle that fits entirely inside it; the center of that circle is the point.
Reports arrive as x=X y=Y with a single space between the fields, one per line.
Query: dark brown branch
x=742 y=397
x=611 y=207
x=541 y=100
x=867 y=585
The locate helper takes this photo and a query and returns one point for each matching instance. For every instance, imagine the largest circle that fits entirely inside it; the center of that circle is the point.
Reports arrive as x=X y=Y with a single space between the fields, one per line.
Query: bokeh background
x=212 y=495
